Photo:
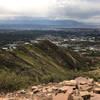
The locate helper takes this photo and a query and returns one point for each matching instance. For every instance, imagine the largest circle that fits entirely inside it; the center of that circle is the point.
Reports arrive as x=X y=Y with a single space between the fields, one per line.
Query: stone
x=69 y=83
x=97 y=84
x=61 y=96
x=35 y=91
x=79 y=89
x=50 y=90
x=60 y=91
x=49 y=94
x=96 y=90
x=74 y=97
x=85 y=87
x=95 y=97
x=54 y=88
x=44 y=90
x=85 y=95
x=45 y=97
x=21 y=92
x=34 y=87
x=69 y=96
x=82 y=80
x=91 y=80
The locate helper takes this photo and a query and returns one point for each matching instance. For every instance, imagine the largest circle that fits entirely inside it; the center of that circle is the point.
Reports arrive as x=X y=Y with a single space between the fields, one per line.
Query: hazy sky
x=84 y=10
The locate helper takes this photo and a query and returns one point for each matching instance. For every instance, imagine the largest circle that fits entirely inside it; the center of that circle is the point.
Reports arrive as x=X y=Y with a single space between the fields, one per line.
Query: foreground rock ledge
x=79 y=89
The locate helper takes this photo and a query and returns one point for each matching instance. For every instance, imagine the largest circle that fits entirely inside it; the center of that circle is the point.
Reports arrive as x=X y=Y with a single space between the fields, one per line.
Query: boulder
x=64 y=89
x=36 y=91
x=69 y=83
x=74 y=97
x=85 y=87
x=34 y=88
x=60 y=91
x=97 y=84
x=69 y=96
x=44 y=90
x=85 y=95
x=45 y=97
x=61 y=96
x=95 y=97
x=22 y=92
x=96 y=90
x=50 y=90
x=91 y=80
x=82 y=81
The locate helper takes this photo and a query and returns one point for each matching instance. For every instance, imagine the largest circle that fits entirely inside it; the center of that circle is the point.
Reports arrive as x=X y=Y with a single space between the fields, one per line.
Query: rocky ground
x=79 y=89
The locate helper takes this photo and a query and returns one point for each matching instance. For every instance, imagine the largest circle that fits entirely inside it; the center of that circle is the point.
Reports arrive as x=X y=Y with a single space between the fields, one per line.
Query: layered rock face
x=79 y=89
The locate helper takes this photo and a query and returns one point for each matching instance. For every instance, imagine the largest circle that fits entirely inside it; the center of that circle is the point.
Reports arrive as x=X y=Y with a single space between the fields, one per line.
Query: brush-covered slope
x=38 y=63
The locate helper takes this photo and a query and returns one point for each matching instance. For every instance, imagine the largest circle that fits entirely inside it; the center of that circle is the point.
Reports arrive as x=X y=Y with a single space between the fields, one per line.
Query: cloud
x=84 y=10
x=24 y=7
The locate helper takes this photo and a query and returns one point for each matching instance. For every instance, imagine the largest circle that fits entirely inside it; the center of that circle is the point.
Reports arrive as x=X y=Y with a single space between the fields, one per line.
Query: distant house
x=33 y=41
x=5 y=48
x=65 y=39
x=73 y=39
x=26 y=43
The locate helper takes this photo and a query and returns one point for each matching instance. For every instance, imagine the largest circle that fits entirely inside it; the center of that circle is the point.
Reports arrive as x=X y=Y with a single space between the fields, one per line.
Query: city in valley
x=86 y=41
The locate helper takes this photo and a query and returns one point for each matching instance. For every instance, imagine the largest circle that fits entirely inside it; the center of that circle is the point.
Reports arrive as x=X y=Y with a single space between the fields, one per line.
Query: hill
x=37 y=63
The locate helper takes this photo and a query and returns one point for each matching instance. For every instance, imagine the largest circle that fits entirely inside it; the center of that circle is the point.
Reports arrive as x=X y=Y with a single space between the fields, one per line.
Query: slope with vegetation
x=37 y=63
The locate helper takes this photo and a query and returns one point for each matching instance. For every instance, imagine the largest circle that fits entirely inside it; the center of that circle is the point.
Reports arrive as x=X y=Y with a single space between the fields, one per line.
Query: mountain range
x=29 y=22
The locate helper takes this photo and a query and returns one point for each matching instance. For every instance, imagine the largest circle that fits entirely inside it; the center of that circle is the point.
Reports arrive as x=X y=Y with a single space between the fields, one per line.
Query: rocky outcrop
x=79 y=89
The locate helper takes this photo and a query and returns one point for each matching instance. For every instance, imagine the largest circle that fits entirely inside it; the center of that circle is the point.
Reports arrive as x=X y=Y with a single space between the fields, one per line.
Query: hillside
x=42 y=62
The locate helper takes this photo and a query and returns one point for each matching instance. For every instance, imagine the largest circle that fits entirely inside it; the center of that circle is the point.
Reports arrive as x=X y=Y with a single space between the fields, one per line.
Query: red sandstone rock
x=82 y=80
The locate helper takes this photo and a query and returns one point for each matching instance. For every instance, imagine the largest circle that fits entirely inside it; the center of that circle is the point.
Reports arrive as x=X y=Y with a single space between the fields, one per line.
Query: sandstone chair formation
x=79 y=89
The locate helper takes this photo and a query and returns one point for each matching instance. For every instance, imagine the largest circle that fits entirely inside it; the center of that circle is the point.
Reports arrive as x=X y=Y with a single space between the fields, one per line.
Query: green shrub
x=9 y=81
